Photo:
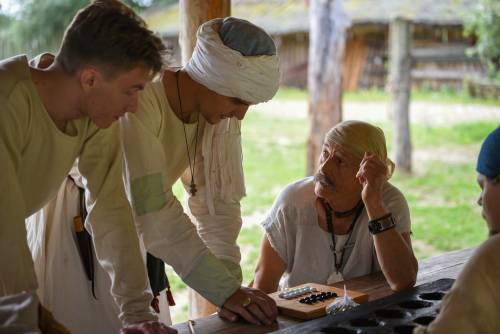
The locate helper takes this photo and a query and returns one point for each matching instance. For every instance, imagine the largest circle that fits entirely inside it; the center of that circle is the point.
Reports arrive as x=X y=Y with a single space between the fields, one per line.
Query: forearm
x=118 y=252
x=219 y=230
x=220 y=233
x=17 y=273
x=169 y=234
x=270 y=268
x=211 y=279
x=396 y=259
x=265 y=282
x=234 y=269
x=111 y=224
x=394 y=254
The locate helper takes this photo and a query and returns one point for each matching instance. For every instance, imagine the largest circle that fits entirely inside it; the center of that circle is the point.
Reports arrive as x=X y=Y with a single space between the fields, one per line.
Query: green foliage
x=40 y=25
x=6 y=45
x=484 y=23
x=5 y=20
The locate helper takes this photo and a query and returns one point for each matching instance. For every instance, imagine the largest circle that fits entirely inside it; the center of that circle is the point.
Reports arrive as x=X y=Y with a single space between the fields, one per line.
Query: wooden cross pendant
x=192 y=189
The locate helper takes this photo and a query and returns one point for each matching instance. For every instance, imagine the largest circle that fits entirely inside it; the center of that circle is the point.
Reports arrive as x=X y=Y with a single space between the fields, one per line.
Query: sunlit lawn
x=441 y=193
x=377 y=95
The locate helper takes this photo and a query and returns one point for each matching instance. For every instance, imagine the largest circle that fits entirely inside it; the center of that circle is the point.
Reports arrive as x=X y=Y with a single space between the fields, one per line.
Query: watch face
x=381 y=225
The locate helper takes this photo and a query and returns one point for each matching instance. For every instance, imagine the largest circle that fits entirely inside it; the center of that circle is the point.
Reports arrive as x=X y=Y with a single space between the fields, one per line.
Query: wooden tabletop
x=446 y=265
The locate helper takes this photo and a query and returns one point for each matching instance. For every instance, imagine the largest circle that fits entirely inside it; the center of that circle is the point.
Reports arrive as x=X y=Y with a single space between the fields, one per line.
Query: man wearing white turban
x=346 y=221
x=188 y=126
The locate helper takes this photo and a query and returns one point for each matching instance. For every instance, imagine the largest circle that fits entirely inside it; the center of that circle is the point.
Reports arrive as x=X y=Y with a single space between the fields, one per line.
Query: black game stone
x=398 y=313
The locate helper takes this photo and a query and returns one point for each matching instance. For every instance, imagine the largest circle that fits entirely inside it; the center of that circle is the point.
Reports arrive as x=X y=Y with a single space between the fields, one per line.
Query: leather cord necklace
x=192 y=186
x=343 y=214
x=329 y=221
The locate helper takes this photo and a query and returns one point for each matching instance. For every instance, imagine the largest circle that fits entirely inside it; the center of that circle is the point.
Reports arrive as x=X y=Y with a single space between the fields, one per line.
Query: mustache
x=320 y=177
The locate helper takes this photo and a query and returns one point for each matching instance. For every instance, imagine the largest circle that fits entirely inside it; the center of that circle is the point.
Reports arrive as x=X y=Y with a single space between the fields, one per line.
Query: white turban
x=252 y=79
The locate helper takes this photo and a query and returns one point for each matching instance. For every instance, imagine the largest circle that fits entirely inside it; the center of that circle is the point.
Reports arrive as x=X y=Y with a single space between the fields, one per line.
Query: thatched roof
x=291 y=16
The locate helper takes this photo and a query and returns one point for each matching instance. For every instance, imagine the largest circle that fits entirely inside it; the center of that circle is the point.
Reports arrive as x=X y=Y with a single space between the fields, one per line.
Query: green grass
x=452 y=136
x=455 y=135
x=443 y=205
x=444 y=95
x=273 y=155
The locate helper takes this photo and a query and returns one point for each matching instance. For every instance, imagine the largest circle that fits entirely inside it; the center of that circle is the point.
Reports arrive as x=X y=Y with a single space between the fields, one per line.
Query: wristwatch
x=381 y=224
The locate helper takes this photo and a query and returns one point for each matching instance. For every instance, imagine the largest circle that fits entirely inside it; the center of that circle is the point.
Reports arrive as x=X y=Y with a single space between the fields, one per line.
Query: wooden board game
x=397 y=313
x=293 y=308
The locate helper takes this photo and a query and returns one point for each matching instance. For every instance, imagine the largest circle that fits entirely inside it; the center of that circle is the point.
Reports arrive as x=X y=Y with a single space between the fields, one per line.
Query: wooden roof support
x=193 y=13
x=399 y=85
x=324 y=79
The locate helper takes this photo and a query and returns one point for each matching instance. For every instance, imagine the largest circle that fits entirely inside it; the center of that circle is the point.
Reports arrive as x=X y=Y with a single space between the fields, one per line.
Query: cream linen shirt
x=35 y=158
x=205 y=254
x=473 y=303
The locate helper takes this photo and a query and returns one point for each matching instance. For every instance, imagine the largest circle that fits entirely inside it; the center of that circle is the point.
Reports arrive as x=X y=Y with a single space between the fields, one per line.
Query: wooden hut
x=438 y=45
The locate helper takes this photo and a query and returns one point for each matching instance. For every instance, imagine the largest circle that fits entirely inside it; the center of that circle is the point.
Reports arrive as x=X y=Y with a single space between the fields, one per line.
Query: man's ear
x=89 y=78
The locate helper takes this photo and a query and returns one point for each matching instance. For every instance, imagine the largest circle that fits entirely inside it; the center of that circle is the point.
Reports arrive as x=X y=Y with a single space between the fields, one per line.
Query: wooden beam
x=399 y=85
x=324 y=79
x=193 y=13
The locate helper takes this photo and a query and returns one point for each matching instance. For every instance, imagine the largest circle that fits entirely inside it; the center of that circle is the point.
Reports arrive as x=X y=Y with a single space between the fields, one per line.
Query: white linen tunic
x=293 y=231
x=63 y=285
x=156 y=157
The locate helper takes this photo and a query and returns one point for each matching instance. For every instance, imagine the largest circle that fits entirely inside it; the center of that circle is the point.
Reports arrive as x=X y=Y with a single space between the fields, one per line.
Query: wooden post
x=324 y=79
x=193 y=14
x=400 y=88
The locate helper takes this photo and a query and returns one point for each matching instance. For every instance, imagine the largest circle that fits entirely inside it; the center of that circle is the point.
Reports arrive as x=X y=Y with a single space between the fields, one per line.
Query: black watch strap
x=381 y=224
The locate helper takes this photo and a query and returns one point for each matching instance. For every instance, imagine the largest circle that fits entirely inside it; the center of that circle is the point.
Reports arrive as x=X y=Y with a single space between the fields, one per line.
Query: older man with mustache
x=346 y=221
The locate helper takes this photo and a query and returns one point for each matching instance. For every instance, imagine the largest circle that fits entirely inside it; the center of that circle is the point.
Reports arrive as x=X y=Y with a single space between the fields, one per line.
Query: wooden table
x=446 y=265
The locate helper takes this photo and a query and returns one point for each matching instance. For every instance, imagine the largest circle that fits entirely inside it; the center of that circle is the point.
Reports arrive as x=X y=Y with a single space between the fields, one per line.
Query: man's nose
x=132 y=107
x=323 y=163
x=240 y=113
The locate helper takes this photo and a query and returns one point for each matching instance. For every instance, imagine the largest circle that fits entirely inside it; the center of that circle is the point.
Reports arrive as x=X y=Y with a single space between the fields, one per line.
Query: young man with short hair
x=60 y=109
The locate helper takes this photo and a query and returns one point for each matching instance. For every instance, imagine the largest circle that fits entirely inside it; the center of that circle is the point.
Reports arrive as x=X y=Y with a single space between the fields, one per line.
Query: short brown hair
x=108 y=34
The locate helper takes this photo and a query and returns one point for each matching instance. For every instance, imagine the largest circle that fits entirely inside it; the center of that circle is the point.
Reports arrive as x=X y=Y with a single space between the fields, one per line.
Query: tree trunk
x=193 y=14
x=326 y=52
x=400 y=88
